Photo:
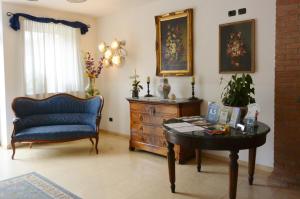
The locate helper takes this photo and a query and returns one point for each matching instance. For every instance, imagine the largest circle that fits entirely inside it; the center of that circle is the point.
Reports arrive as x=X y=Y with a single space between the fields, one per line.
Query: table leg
x=171 y=164
x=251 y=166
x=233 y=172
x=198 y=159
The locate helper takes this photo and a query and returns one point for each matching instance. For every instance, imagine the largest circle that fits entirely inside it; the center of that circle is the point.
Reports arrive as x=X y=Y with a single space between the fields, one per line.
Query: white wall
x=13 y=77
x=2 y=84
x=137 y=27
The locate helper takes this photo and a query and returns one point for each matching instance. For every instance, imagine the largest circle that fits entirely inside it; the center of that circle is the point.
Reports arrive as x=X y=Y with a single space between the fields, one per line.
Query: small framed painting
x=237 y=47
x=174 y=43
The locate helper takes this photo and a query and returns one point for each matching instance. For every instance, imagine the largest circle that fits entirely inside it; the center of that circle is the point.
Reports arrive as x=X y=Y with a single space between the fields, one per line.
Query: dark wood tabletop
x=233 y=141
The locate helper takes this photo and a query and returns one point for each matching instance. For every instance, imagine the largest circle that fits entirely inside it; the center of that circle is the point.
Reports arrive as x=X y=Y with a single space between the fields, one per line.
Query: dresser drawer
x=152 y=139
x=154 y=109
x=157 y=119
x=147 y=129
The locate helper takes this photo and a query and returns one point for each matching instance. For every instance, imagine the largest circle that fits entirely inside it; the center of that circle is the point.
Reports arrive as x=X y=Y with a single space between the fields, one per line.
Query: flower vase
x=164 y=88
x=90 y=90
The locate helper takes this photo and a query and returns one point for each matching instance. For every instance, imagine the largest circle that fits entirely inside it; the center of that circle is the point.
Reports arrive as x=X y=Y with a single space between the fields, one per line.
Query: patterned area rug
x=32 y=186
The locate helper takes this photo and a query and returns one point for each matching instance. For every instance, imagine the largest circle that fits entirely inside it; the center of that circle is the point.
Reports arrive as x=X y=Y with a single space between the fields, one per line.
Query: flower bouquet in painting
x=93 y=70
x=236 y=48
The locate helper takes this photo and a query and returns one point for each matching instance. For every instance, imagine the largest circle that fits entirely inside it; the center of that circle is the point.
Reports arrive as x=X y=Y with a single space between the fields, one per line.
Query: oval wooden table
x=234 y=141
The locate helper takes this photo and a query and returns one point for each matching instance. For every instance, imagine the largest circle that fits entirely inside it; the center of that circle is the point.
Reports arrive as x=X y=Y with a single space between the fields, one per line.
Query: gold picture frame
x=174 y=43
x=237 y=47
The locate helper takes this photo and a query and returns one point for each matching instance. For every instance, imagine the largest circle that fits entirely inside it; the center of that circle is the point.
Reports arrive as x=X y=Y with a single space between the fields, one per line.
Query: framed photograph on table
x=213 y=112
x=174 y=43
x=224 y=115
x=235 y=117
x=237 y=47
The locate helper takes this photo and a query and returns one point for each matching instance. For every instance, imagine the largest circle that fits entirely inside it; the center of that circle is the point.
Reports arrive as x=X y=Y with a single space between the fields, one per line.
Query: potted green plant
x=136 y=87
x=239 y=92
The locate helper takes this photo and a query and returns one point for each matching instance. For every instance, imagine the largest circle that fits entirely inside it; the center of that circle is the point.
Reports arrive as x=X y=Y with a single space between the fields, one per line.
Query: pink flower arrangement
x=92 y=69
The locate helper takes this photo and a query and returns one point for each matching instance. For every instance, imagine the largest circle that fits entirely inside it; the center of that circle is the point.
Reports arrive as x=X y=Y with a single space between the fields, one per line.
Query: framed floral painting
x=237 y=47
x=174 y=43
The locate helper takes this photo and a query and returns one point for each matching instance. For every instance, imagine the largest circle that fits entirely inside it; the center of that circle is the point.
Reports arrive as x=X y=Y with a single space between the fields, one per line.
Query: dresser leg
x=233 y=173
x=171 y=164
x=198 y=159
x=131 y=148
x=251 y=166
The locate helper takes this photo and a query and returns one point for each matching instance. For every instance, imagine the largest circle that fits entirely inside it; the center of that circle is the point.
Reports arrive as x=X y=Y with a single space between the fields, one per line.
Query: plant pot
x=243 y=111
x=135 y=94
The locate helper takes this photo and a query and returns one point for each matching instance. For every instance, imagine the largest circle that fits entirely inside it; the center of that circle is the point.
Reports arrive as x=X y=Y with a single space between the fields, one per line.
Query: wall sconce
x=114 y=54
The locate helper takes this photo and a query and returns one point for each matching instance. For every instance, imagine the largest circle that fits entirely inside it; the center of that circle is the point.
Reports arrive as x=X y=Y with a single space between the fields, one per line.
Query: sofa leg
x=92 y=141
x=96 y=145
x=13 y=148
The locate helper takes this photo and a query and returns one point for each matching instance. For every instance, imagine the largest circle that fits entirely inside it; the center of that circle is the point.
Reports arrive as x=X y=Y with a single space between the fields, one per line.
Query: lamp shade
x=106 y=62
x=115 y=44
x=108 y=54
x=102 y=47
x=116 y=60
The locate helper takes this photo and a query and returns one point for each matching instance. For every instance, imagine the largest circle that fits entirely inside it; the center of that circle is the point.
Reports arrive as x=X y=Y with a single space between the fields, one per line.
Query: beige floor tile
x=117 y=173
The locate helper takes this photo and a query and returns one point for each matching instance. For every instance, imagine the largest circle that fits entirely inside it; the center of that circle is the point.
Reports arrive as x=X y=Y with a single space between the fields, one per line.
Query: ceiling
x=91 y=7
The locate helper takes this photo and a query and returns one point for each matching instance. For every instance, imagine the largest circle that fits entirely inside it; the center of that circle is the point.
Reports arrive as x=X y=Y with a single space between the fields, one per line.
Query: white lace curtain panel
x=51 y=58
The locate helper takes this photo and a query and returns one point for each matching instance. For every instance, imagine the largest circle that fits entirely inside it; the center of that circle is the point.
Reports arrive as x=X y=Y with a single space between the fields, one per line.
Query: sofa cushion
x=55 y=133
x=56 y=119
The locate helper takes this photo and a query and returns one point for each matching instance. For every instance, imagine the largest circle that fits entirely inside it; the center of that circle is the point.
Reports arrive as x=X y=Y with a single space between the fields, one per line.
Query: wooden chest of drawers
x=146 y=117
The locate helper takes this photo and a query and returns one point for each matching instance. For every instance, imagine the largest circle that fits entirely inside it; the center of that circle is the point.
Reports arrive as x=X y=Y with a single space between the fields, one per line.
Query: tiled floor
x=119 y=174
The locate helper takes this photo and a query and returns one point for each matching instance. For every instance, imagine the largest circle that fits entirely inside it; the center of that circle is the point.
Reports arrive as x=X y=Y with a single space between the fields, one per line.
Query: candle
x=148 y=79
x=193 y=79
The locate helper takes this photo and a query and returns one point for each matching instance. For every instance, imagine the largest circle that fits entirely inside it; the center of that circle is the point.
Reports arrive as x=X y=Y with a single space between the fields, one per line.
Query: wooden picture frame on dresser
x=146 y=118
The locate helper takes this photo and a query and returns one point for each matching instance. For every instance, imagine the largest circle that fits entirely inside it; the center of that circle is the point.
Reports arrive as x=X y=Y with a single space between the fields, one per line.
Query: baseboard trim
x=123 y=135
x=241 y=162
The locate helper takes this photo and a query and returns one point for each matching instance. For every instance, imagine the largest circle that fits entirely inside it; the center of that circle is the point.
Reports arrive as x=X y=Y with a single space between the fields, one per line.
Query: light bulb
x=106 y=62
x=116 y=60
x=114 y=45
x=102 y=47
x=108 y=54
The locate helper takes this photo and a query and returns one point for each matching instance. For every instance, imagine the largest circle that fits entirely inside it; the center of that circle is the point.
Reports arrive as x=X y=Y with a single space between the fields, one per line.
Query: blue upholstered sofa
x=59 y=118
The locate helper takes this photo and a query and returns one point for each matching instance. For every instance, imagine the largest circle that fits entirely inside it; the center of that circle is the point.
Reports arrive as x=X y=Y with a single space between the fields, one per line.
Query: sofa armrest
x=98 y=119
x=16 y=123
x=15 y=120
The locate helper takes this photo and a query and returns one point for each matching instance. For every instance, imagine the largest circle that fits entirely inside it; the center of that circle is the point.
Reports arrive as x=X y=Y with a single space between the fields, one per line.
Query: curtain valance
x=15 y=22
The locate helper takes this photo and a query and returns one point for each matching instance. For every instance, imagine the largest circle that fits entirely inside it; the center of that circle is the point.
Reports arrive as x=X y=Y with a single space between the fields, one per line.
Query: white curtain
x=51 y=58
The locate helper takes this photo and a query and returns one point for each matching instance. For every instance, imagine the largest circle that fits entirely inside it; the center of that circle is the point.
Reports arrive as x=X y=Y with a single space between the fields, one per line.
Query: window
x=51 y=58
